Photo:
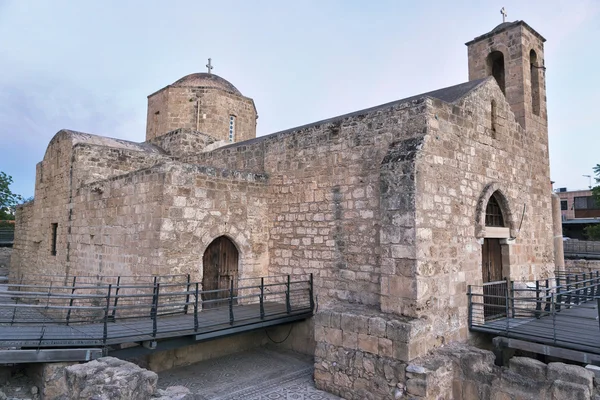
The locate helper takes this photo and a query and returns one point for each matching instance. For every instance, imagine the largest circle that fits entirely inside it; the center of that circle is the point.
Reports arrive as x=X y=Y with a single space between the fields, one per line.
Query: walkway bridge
x=80 y=318
x=556 y=317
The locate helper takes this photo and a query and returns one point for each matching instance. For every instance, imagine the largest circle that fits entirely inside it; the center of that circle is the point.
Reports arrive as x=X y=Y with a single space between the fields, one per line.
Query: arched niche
x=508 y=229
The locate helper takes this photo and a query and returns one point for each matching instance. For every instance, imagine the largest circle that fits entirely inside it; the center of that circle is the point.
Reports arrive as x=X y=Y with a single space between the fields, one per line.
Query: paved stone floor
x=260 y=374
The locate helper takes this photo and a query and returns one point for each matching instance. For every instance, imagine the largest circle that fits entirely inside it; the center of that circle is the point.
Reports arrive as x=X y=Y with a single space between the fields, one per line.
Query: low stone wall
x=582 y=265
x=456 y=371
x=362 y=354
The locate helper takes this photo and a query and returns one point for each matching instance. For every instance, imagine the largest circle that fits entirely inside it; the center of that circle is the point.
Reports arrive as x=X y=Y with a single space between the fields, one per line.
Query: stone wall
x=461 y=161
x=71 y=160
x=183 y=142
x=577 y=266
x=456 y=372
x=297 y=337
x=325 y=182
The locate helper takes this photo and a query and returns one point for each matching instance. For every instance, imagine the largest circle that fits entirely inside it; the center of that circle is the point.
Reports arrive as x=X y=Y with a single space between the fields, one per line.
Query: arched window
x=535 y=82
x=494 y=118
x=495 y=64
x=493 y=213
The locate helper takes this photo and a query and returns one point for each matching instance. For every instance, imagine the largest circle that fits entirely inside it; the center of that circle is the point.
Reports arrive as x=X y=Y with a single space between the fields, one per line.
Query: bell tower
x=513 y=53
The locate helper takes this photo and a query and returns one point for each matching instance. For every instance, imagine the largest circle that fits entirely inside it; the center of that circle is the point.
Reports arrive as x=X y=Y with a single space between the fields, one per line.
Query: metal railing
x=7 y=236
x=92 y=311
x=562 y=310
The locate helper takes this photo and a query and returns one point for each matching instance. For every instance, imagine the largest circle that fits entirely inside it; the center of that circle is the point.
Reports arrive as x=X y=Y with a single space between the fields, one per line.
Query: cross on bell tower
x=209 y=66
x=504 y=14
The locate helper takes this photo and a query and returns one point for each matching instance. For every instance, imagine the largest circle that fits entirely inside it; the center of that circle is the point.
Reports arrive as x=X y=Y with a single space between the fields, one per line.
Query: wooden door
x=220 y=268
x=494 y=295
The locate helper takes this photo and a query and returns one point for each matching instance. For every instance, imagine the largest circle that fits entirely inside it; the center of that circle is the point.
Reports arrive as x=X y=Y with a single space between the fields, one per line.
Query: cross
x=209 y=66
x=503 y=12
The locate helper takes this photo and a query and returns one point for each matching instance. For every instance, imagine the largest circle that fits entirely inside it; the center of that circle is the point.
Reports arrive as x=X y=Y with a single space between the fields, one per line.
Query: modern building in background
x=578 y=210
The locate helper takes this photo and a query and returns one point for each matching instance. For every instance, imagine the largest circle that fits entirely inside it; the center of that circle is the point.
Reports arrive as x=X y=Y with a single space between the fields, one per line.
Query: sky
x=90 y=65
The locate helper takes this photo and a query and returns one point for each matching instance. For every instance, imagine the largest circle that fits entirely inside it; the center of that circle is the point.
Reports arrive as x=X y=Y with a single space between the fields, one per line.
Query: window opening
x=53 y=239
x=493 y=213
x=496 y=68
x=535 y=82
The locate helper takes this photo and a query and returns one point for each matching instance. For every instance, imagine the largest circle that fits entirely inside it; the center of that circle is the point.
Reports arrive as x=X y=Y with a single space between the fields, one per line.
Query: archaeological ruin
x=395 y=210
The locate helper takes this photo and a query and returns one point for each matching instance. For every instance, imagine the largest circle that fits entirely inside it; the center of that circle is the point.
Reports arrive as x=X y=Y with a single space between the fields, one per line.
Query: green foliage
x=593 y=231
x=8 y=199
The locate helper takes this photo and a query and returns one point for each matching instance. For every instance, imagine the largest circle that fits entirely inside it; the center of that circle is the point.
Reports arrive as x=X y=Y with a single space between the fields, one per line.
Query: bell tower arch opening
x=495 y=66
x=219 y=272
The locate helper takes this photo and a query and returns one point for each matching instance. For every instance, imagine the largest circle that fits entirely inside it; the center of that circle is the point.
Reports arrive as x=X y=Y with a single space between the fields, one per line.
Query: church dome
x=501 y=27
x=203 y=79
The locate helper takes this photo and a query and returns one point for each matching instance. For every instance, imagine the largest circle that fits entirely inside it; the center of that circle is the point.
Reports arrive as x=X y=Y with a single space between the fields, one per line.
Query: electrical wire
x=286 y=337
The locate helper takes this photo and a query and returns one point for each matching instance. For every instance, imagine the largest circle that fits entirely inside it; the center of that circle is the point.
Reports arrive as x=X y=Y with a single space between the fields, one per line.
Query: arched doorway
x=220 y=269
x=491 y=263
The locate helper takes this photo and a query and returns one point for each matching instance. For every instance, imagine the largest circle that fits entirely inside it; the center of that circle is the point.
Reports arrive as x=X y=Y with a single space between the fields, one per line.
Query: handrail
x=77 y=304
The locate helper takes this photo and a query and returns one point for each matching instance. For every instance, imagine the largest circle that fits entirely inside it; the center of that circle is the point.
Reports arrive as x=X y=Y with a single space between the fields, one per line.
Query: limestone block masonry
x=387 y=207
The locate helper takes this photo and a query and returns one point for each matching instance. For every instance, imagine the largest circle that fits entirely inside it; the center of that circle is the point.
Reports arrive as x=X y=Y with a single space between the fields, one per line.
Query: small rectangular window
x=232 y=128
x=53 y=241
x=580 y=203
x=563 y=205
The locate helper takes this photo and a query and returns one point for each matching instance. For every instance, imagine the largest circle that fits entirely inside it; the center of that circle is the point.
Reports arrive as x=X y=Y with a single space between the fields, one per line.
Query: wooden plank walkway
x=246 y=317
x=574 y=328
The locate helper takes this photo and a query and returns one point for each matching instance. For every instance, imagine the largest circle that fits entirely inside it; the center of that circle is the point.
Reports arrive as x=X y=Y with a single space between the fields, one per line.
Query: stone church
x=395 y=209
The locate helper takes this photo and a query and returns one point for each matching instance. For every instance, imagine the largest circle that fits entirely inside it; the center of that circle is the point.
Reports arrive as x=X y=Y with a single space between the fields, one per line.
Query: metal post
x=585 y=288
x=155 y=310
x=470 y=307
x=187 y=295
x=547 y=291
x=196 y=310
x=153 y=296
x=506 y=299
x=106 y=311
x=114 y=310
x=568 y=282
x=71 y=300
x=231 y=301
x=576 y=290
x=553 y=311
x=512 y=297
x=311 y=293
x=538 y=304
x=288 y=306
x=262 y=298
x=598 y=308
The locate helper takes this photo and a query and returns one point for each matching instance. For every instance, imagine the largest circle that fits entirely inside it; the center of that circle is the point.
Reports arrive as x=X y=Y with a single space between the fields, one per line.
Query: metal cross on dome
x=209 y=65
x=504 y=14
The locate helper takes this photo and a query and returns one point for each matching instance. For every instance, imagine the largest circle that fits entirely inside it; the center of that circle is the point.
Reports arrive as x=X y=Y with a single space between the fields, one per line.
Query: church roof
x=203 y=79
x=449 y=94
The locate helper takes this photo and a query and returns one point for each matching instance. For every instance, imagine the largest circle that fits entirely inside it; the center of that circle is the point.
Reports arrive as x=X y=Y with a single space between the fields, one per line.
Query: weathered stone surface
x=109 y=378
x=562 y=390
x=571 y=373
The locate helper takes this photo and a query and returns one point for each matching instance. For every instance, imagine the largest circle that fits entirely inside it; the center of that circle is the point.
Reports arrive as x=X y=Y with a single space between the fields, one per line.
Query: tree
x=593 y=231
x=8 y=199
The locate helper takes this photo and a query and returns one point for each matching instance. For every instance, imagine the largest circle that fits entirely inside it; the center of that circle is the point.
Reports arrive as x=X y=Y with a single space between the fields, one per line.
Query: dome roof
x=501 y=26
x=203 y=79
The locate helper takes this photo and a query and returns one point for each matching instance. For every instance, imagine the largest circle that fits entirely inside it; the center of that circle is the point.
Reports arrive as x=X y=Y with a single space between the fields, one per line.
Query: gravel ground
x=258 y=374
